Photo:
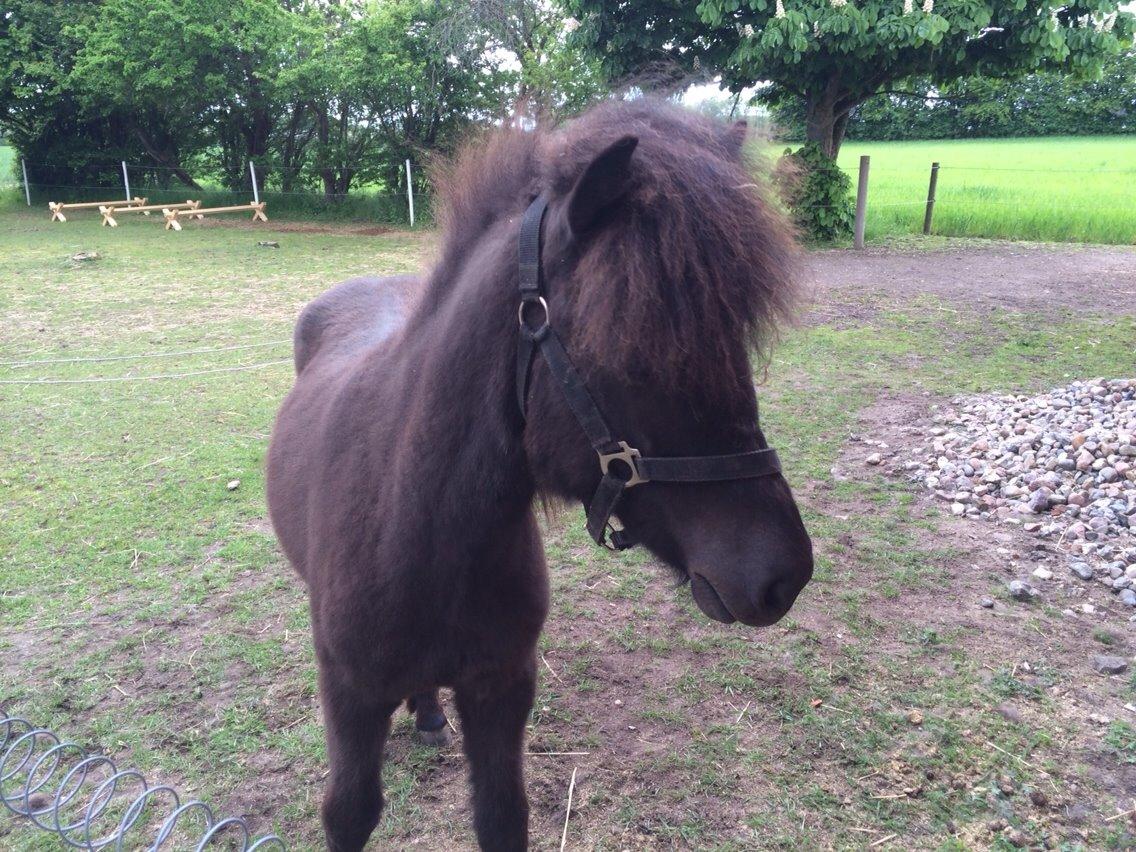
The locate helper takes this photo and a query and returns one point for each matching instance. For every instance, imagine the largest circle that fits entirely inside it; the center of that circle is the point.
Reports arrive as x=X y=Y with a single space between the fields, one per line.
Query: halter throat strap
x=621 y=465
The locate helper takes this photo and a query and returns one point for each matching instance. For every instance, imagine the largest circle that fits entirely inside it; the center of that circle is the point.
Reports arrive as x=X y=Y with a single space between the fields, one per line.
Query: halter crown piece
x=621 y=465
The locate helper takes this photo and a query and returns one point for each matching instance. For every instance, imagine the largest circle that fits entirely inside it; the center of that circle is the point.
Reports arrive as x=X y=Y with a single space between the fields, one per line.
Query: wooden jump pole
x=57 y=207
x=27 y=190
x=172 y=215
x=930 y=214
x=110 y=210
x=861 y=202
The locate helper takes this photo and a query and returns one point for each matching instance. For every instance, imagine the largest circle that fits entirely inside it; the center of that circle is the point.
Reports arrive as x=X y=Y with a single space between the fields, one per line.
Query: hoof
x=441 y=738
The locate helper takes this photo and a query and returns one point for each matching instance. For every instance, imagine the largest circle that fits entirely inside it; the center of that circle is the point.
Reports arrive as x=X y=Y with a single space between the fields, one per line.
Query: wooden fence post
x=930 y=214
x=861 y=201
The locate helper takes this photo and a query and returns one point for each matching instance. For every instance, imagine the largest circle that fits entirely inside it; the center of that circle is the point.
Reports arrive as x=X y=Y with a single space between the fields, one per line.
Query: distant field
x=1080 y=189
x=7 y=160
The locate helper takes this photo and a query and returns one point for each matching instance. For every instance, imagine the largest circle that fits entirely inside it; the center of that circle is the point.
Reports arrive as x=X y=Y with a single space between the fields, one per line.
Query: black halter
x=635 y=468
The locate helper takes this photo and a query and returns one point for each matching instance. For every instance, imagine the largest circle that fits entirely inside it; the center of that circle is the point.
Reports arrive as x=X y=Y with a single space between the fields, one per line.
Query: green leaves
x=817 y=192
x=837 y=53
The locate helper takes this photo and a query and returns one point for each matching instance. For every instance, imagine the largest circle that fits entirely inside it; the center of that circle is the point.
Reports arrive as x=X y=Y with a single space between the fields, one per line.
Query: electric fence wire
x=144 y=355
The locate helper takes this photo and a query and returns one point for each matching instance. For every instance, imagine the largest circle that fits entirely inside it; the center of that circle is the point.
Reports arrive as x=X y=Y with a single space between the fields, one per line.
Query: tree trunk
x=164 y=159
x=827 y=108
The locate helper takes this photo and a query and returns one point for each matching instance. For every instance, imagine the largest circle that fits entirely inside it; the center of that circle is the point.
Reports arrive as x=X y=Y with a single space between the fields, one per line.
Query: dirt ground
x=979 y=274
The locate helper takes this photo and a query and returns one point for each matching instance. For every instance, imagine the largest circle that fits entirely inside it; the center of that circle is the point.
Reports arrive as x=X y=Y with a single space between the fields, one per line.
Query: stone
x=1042 y=573
x=1128 y=597
x=986 y=603
x=1082 y=570
x=1039 y=500
x=873 y=459
x=1021 y=590
x=1015 y=837
x=233 y=484
x=1108 y=664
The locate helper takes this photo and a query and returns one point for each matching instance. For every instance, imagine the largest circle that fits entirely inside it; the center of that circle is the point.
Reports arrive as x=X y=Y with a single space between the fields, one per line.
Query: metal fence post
x=126 y=180
x=930 y=214
x=255 y=191
x=27 y=189
x=861 y=202
x=410 y=192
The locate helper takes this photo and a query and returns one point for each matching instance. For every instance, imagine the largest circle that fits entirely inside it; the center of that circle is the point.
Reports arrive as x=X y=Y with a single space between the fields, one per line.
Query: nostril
x=779 y=596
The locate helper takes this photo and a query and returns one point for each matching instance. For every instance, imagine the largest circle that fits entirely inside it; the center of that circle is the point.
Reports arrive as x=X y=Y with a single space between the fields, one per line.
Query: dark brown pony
x=402 y=473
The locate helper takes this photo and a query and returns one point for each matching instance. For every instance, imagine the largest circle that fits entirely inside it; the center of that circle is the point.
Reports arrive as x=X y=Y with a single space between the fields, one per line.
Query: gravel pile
x=1062 y=465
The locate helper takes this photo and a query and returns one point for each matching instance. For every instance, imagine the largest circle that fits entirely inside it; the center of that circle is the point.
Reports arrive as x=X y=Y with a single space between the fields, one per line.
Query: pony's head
x=665 y=270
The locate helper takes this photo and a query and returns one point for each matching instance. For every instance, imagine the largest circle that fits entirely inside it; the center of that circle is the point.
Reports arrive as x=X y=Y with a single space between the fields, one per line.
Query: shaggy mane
x=696 y=260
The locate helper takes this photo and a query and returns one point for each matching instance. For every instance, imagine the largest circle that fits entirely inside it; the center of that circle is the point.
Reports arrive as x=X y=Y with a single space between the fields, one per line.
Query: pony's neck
x=473 y=465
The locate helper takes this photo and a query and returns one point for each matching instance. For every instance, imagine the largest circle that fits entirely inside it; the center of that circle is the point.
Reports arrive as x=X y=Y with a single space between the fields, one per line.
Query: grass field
x=7 y=165
x=146 y=612
x=1079 y=189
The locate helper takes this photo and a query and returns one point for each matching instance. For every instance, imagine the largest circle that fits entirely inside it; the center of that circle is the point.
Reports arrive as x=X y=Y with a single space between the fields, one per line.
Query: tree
x=835 y=54
x=555 y=79
x=394 y=80
x=199 y=72
x=39 y=112
x=1043 y=104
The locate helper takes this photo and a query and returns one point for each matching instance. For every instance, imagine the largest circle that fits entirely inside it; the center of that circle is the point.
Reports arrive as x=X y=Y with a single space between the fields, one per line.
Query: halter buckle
x=628 y=455
x=534 y=334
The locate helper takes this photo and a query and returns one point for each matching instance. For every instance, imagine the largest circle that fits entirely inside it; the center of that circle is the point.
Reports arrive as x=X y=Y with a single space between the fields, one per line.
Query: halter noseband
x=613 y=454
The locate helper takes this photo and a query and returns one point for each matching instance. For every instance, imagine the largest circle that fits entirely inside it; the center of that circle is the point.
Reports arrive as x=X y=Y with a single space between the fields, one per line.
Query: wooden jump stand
x=109 y=211
x=57 y=207
x=172 y=215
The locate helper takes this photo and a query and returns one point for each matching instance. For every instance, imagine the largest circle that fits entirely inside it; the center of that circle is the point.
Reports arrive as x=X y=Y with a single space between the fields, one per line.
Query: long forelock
x=696 y=265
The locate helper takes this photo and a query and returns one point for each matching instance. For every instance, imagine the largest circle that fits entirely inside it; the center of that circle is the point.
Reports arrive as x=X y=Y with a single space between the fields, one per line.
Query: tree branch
x=927 y=97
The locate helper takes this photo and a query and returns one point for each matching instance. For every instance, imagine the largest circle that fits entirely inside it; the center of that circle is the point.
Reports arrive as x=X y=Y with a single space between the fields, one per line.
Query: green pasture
x=7 y=165
x=1068 y=189
x=146 y=612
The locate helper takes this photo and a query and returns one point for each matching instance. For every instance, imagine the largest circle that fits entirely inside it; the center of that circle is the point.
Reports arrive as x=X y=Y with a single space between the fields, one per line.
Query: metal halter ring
x=628 y=455
x=541 y=330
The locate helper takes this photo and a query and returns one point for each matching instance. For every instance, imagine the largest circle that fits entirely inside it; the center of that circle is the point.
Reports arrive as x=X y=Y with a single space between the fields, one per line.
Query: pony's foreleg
x=430 y=719
x=493 y=712
x=356 y=728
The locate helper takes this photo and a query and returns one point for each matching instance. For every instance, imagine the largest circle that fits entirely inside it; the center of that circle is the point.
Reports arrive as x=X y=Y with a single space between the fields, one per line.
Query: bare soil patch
x=983 y=275
x=355 y=229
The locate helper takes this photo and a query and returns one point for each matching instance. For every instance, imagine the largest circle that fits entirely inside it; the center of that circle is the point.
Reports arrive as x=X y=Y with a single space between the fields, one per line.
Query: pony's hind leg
x=356 y=728
x=430 y=719
x=493 y=713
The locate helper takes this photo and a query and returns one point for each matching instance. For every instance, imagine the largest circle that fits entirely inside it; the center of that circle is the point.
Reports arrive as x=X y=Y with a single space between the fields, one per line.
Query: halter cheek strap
x=621 y=465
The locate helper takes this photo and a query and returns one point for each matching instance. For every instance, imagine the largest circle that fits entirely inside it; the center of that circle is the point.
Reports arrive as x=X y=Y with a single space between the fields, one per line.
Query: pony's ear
x=603 y=182
x=736 y=137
